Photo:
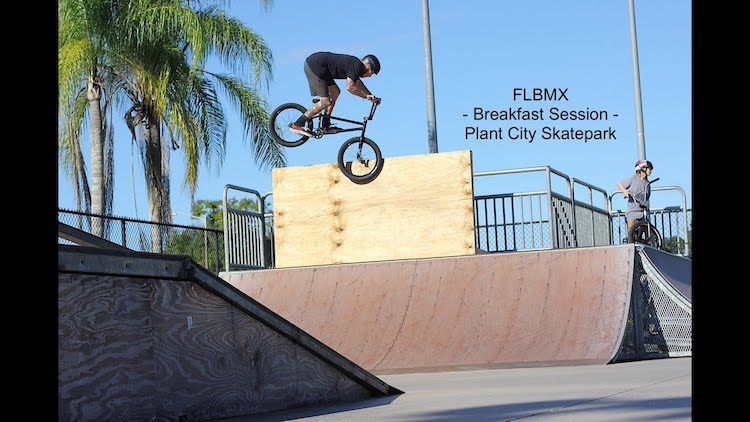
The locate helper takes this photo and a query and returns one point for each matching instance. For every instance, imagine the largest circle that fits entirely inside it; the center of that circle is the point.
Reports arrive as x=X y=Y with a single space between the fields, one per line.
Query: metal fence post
x=572 y=195
x=552 y=218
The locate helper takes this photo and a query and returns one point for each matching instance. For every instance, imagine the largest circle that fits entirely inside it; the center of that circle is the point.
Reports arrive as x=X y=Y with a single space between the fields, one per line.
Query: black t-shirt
x=330 y=66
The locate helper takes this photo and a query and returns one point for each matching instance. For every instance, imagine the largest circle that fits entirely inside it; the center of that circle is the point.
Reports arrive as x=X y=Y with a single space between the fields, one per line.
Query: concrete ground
x=633 y=391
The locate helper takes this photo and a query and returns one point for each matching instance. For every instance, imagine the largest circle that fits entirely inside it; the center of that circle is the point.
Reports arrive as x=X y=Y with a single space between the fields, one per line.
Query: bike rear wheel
x=360 y=160
x=645 y=233
x=279 y=125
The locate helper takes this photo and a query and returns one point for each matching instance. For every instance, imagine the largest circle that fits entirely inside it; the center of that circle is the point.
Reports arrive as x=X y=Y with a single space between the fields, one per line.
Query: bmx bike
x=643 y=231
x=359 y=158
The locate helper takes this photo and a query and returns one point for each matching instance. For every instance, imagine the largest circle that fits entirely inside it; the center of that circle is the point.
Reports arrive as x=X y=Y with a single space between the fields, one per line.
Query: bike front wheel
x=360 y=160
x=645 y=233
x=279 y=125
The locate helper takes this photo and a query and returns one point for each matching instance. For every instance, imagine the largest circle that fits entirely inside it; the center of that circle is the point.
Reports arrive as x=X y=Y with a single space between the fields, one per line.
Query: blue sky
x=481 y=51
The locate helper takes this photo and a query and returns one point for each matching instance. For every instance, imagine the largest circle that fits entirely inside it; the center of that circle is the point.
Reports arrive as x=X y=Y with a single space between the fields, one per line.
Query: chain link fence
x=669 y=221
x=503 y=222
x=659 y=321
x=204 y=245
x=520 y=221
x=510 y=222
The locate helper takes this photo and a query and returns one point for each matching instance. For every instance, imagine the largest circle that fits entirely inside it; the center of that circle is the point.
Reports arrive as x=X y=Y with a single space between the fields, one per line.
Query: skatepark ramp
x=535 y=308
x=158 y=337
x=660 y=317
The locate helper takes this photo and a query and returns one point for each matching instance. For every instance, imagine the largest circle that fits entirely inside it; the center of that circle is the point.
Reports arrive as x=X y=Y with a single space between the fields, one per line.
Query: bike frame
x=646 y=211
x=363 y=123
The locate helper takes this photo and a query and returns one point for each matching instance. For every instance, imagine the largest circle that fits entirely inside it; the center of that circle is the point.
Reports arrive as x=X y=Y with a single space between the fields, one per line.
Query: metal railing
x=574 y=223
x=202 y=244
x=521 y=221
x=551 y=241
x=512 y=221
x=592 y=224
x=674 y=223
x=249 y=242
x=542 y=219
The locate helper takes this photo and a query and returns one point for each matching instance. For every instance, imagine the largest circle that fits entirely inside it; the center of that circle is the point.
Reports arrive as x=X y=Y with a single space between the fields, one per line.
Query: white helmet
x=643 y=165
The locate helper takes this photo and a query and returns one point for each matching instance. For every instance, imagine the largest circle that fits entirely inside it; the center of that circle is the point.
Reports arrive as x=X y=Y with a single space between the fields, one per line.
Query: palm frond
x=149 y=57
x=69 y=147
x=72 y=67
x=236 y=45
x=211 y=119
x=255 y=119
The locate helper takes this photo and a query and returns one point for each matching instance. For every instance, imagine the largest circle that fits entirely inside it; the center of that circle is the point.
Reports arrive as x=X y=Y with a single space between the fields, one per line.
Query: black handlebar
x=374 y=106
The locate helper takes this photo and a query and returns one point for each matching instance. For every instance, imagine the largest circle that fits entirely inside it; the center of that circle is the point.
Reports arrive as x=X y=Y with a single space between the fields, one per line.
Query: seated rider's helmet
x=643 y=165
x=373 y=62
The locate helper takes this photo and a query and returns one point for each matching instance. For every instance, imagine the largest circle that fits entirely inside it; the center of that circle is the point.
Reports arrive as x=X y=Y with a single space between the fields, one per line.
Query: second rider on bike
x=637 y=183
x=321 y=69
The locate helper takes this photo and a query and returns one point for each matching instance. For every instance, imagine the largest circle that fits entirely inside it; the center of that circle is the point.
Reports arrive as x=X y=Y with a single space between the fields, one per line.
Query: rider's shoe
x=300 y=130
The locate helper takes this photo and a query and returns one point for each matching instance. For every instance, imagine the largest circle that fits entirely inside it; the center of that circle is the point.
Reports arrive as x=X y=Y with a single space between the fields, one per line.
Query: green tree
x=676 y=244
x=84 y=33
x=214 y=209
x=207 y=247
x=172 y=94
x=153 y=53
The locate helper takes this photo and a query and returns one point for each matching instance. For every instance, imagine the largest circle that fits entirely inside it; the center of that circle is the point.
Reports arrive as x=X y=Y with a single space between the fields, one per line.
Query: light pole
x=431 y=125
x=637 y=84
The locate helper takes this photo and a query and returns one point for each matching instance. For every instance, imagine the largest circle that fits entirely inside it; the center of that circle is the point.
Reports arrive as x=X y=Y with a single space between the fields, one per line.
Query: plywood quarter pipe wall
x=157 y=337
x=419 y=206
x=523 y=308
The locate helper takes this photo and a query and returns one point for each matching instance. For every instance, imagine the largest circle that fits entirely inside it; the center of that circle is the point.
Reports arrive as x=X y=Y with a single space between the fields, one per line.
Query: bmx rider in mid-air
x=321 y=69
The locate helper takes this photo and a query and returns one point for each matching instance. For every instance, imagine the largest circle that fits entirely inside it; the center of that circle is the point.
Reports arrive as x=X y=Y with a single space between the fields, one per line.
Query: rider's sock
x=301 y=121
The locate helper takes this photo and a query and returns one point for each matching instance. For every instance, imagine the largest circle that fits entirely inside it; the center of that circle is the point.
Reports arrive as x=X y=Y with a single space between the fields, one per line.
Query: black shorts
x=318 y=86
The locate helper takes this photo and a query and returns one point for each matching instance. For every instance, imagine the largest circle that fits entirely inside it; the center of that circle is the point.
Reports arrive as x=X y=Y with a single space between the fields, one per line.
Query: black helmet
x=373 y=62
x=643 y=165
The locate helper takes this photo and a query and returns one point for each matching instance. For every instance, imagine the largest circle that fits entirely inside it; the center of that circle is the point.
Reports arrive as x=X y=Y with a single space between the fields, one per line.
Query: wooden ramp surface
x=418 y=207
x=523 y=308
x=157 y=337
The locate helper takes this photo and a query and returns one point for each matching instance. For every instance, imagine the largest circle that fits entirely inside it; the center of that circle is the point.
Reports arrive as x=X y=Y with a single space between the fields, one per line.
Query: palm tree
x=173 y=96
x=83 y=31
x=152 y=55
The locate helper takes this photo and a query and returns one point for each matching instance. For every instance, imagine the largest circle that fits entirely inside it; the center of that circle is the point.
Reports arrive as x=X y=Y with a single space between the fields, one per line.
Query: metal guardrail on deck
x=674 y=223
x=542 y=219
x=524 y=218
x=249 y=243
x=202 y=244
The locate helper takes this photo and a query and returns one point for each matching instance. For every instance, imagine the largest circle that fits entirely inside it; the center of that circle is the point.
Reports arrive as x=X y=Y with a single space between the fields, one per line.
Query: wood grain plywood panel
x=143 y=349
x=533 y=308
x=418 y=207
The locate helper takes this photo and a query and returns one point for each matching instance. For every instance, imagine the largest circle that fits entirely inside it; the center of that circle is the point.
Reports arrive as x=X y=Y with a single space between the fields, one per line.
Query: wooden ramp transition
x=551 y=307
x=158 y=337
